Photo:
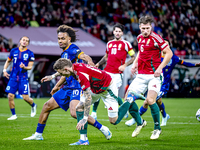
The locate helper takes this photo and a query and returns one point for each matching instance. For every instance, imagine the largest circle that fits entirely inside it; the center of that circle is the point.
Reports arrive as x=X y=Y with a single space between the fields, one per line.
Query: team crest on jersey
x=66 y=55
x=119 y=47
x=25 y=56
x=139 y=40
x=110 y=45
x=148 y=41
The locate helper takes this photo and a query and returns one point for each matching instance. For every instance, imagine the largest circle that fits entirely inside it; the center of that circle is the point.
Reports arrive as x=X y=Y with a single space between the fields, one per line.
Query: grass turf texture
x=182 y=130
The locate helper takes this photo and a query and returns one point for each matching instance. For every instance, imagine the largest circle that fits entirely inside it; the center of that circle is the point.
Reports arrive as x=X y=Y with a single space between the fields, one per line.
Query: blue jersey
x=167 y=71
x=18 y=56
x=73 y=53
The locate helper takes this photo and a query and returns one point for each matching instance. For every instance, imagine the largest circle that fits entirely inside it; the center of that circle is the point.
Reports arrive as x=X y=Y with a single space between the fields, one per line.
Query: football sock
x=97 y=125
x=40 y=128
x=95 y=105
x=122 y=111
x=83 y=137
x=162 y=109
x=13 y=111
x=142 y=110
x=133 y=110
x=120 y=102
x=32 y=105
x=79 y=115
x=156 y=115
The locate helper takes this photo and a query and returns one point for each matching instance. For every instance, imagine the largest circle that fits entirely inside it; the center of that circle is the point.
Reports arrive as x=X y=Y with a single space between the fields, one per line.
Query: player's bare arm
x=86 y=58
x=168 y=55
x=50 y=77
x=122 y=67
x=102 y=61
x=58 y=84
x=7 y=63
x=135 y=64
x=29 y=67
x=88 y=101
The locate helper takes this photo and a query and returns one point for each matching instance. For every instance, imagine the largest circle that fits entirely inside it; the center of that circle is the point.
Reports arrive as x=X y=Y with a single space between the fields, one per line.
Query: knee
x=73 y=113
x=10 y=97
x=46 y=106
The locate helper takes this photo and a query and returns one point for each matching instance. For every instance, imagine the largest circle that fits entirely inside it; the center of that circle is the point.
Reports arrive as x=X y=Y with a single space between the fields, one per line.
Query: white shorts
x=110 y=101
x=142 y=82
x=117 y=81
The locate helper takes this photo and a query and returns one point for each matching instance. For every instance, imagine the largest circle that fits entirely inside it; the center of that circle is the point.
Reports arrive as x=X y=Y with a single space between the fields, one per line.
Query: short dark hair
x=69 y=30
x=118 y=25
x=145 y=19
x=61 y=63
x=27 y=37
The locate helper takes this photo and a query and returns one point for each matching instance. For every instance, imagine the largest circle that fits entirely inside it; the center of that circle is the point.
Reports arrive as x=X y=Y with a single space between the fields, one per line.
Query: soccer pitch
x=182 y=130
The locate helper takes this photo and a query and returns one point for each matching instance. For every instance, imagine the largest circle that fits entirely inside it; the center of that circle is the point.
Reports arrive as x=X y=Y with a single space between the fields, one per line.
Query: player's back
x=97 y=79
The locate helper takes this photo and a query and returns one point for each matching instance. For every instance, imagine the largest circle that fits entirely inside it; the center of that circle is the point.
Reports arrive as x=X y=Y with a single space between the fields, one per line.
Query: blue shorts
x=64 y=96
x=22 y=86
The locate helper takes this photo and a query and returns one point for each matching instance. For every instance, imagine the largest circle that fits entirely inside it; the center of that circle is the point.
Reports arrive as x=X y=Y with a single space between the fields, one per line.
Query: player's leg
x=24 y=91
x=50 y=105
x=94 y=109
x=83 y=132
x=165 y=116
x=11 y=89
x=153 y=90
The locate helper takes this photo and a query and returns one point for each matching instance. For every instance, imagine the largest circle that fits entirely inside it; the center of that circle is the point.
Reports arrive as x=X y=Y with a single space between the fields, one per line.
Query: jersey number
x=114 y=51
x=25 y=87
x=15 y=59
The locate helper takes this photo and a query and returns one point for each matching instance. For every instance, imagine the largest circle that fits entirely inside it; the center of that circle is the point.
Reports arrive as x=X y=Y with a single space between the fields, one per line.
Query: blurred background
x=176 y=20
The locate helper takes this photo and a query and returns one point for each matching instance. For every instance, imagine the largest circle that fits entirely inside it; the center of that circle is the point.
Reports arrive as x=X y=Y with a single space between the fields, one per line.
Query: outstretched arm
x=86 y=58
x=88 y=101
x=102 y=61
x=188 y=64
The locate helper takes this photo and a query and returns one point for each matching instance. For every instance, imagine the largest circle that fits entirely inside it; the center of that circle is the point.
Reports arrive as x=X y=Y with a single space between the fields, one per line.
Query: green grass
x=182 y=130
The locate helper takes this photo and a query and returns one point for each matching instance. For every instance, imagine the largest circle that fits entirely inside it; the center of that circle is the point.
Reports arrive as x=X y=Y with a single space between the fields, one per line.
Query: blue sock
x=162 y=109
x=142 y=110
x=32 y=105
x=40 y=128
x=97 y=125
x=13 y=111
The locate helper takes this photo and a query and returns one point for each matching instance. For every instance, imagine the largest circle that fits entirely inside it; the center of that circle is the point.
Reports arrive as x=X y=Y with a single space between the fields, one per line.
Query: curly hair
x=69 y=30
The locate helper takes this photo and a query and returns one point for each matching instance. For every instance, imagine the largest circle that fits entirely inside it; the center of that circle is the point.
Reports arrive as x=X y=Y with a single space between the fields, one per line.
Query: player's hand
x=197 y=65
x=46 y=78
x=5 y=74
x=54 y=90
x=80 y=124
x=97 y=65
x=122 y=68
x=134 y=69
x=157 y=72
x=91 y=63
x=22 y=65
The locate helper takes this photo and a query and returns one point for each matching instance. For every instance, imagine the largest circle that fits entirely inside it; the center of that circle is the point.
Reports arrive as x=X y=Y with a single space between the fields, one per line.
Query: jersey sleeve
x=32 y=57
x=10 y=57
x=84 y=81
x=159 y=40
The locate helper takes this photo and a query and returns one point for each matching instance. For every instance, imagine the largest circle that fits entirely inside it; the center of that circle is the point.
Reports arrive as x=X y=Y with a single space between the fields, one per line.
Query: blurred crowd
x=176 y=20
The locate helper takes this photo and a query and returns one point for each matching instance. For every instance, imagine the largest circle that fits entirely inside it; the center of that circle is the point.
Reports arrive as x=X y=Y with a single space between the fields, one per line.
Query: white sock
x=83 y=137
x=36 y=133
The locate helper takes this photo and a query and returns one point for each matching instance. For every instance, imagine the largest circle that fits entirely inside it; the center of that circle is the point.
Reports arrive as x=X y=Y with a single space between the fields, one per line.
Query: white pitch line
x=58 y=116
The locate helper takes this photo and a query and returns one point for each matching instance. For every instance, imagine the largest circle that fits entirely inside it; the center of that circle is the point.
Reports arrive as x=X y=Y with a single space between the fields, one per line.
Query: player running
x=23 y=60
x=69 y=96
x=167 y=71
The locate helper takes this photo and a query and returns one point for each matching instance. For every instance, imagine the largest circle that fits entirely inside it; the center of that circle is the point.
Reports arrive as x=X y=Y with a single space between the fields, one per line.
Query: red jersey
x=117 y=52
x=150 y=52
x=88 y=76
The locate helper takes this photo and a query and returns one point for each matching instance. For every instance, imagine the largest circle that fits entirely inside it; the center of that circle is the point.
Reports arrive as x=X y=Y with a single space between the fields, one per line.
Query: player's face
x=64 y=72
x=63 y=40
x=145 y=29
x=117 y=33
x=24 y=41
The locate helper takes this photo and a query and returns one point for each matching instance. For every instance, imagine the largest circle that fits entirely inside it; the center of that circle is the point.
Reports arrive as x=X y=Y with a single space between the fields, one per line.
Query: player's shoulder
x=139 y=36
x=156 y=37
x=125 y=41
x=73 y=46
x=14 y=49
